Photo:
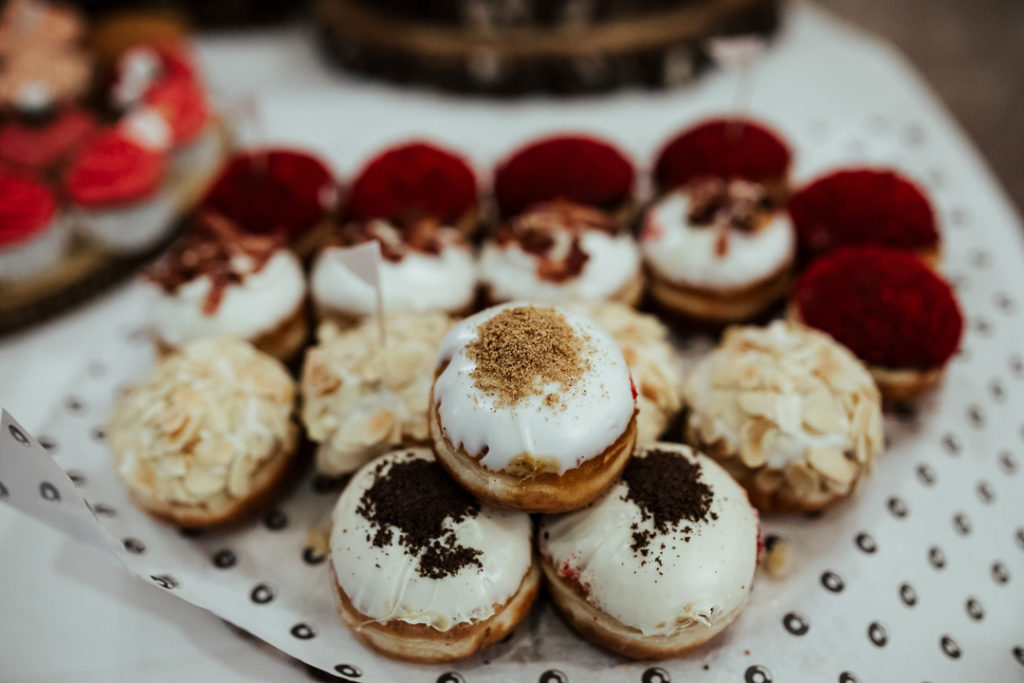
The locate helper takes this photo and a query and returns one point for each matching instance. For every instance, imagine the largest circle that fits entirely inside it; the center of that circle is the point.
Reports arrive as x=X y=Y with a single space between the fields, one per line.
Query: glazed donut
x=532 y=408
x=208 y=436
x=423 y=572
x=220 y=281
x=425 y=266
x=558 y=252
x=718 y=251
x=661 y=563
x=789 y=412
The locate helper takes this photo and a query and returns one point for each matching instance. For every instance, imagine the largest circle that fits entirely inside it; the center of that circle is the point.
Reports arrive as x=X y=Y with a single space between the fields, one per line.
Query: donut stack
x=523 y=381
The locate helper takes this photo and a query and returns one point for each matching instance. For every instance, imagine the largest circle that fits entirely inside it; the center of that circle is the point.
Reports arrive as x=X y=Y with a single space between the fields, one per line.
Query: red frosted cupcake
x=117 y=186
x=889 y=308
x=864 y=206
x=726 y=148
x=412 y=181
x=575 y=168
x=276 y=192
x=33 y=235
x=40 y=145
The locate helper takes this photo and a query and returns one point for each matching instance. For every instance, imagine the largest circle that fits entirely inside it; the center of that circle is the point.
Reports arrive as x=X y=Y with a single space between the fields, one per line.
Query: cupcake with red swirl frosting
x=117 y=187
x=220 y=280
x=860 y=206
x=38 y=146
x=888 y=307
x=33 y=234
x=558 y=252
x=162 y=82
x=575 y=168
x=718 y=245
x=284 y=192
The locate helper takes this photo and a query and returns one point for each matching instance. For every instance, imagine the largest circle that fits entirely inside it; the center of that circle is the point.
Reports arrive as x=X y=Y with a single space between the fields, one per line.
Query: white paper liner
x=917 y=578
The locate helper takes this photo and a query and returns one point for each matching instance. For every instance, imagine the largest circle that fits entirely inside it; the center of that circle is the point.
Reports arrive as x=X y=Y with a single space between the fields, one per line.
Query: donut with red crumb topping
x=413 y=181
x=575 y=168
x=276 y=191
x=864 y=206
x=727 y=148
x=893 y=311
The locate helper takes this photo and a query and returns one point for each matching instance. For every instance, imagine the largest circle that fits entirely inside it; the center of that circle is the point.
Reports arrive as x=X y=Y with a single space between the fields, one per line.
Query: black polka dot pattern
x=936 y=557
x=832 y=582
x=261 y=594
x=224 y=559
x=949 y=647
x=303 y=631
x=961 y=524
x=164 y=581
x=974 y=609
x=134 y=546
x=1007 y=462
x=1000 y=574
x=4 y=493
x=19 y=435
x=757 y=674
x=908 y=596
x=897 y=507
x=951 y=444
x=49 y=492
x=311 y=556
x=796 y=623
x=877 y=634
x=553 y=676
x=275 y=520
x=847 y=677
x=451 y=677
x=986 y=493
x=356 y=672
x=1018 y=654
x=926 y=474
x=866 y=543
x=656 y=675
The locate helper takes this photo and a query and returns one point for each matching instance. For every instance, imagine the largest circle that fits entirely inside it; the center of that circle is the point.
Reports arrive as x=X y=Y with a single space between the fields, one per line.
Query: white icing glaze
x=597 y=409
x=37 y=252
x=261 y=302
x=681 y=252
x=699 y=580
x=384 y=584
x=138 y=70
x=419 y=282
x=512 y=274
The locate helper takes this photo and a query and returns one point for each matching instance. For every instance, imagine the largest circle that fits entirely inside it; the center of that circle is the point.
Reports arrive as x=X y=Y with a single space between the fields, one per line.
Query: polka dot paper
x=919 y=577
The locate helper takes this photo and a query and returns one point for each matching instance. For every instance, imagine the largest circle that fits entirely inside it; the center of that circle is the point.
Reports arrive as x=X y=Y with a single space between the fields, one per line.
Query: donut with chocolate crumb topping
x=423 y=571
x=893 y=311
x=533 y=408
x=659 y=564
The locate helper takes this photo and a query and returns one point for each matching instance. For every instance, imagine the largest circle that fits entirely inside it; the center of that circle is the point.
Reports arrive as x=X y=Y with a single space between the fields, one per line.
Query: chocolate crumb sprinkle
x=669 y=491
x=414 y=498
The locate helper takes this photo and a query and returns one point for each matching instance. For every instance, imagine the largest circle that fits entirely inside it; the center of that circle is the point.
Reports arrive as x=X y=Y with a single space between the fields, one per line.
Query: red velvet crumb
x=862 y=206
x=574 y=168
x=416 y=180
x=886 y=305
x=723 y=148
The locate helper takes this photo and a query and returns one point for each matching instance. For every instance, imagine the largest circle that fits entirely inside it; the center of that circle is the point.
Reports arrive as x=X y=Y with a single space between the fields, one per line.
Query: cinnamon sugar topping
x=217 y=249
x=520 y=351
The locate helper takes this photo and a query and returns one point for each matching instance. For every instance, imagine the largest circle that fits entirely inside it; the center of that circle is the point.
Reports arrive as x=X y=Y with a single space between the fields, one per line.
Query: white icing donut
x=260 y=303
x=386 y=583
x=696 y=571
x=692 y=255
x=514 y=273
x=588 y=417
x=418 y=281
